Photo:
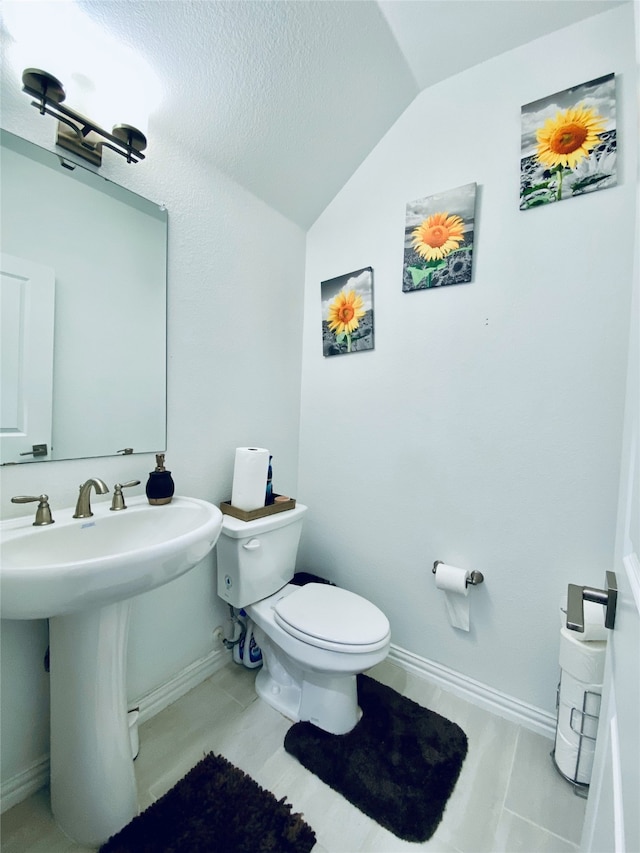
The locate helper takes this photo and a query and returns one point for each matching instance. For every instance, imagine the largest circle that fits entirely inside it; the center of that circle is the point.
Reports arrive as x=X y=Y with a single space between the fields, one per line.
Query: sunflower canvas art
x=569 y=143
x=347 y=312
x=438 y=239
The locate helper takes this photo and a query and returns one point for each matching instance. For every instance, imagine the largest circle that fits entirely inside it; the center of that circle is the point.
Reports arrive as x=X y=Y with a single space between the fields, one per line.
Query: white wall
x=234 y=336
x=485 y=428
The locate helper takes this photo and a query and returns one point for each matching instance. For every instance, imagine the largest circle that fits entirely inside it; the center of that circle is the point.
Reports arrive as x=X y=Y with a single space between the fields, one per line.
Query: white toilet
x=314 y=638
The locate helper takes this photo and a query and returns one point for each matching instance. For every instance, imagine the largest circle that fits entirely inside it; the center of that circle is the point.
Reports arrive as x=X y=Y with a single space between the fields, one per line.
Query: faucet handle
x=117 y=502
x=43 y=513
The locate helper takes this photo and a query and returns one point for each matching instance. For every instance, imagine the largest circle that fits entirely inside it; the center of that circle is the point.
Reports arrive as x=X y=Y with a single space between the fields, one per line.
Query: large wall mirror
x=83 y=311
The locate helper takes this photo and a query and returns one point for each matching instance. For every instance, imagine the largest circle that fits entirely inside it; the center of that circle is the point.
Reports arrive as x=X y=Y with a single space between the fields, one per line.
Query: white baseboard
x=23 y=784
x=28 y=781
x=499 y=703
x=158 y=699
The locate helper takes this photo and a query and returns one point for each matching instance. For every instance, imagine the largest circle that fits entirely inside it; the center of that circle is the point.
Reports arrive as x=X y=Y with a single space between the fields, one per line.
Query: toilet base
x=285 y=698
x=330 y=702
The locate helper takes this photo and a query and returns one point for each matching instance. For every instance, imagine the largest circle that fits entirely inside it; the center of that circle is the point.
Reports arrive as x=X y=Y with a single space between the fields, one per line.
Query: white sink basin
x=78 y=563
x=80 y=573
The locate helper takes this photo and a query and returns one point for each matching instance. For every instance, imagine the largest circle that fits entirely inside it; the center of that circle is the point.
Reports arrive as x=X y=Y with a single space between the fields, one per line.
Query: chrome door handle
x=577 y=595
x=36 y=450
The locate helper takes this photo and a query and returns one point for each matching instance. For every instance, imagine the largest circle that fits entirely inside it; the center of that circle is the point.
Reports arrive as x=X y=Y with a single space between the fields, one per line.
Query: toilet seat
x=329 y=617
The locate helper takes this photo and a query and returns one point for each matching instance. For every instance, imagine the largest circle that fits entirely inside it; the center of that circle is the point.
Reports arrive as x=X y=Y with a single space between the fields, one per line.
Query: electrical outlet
x=218 y=636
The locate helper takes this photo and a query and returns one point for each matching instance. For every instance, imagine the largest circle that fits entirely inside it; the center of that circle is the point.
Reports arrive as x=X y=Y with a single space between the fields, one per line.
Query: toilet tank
x=257 y=558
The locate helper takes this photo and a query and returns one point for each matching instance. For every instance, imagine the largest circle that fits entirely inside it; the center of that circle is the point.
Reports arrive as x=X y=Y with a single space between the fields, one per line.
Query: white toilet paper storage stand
x=579 y=692
x=580 y=719
x=474 y=578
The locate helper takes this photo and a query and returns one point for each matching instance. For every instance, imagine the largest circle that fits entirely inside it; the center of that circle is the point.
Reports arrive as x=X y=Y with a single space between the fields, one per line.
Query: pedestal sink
x=81 y=575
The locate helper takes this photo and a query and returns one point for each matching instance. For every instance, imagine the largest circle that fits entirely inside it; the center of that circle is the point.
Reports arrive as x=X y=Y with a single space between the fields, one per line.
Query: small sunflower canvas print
x=347 y=312
x=438 y=239
x=569 y=143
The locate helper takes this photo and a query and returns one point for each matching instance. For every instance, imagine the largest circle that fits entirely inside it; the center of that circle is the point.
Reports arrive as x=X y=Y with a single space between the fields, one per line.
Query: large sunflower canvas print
x=438 y=239
x=569 y=143
x=347 y=312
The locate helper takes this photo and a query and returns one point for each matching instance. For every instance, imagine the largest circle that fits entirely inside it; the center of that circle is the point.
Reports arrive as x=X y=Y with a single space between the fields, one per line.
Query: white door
x=612 y=820
x=612 y=824
x=27 y=293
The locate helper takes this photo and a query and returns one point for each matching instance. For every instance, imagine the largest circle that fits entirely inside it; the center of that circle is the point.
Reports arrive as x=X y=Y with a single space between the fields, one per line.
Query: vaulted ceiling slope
x=288 y=97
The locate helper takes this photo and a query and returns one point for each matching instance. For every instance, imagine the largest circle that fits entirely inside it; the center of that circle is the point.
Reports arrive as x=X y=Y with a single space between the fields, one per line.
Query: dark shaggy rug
x=399 y=764
x=215 y=807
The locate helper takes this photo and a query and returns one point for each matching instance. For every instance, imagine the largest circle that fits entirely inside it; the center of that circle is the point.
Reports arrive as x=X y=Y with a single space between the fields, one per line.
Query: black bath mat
x=398 y=765
x=215 y=807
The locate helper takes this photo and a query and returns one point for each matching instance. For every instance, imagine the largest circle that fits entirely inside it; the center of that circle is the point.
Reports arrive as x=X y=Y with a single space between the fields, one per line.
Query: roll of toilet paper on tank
x=453 y=582
x=250 y=477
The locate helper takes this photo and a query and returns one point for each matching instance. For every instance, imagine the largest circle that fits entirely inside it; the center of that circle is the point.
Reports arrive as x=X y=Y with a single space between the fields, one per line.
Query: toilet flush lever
x=251 y=545
x=577 y=595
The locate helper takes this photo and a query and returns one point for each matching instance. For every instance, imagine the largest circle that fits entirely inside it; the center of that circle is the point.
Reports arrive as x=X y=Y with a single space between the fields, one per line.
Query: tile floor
x=508 y=798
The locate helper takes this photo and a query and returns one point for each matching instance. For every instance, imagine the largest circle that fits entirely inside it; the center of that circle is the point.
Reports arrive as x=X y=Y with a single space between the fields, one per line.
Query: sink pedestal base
x=93 y=786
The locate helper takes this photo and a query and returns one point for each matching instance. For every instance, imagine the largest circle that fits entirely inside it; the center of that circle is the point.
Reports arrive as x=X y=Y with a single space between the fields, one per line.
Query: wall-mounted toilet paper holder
x=474 y=578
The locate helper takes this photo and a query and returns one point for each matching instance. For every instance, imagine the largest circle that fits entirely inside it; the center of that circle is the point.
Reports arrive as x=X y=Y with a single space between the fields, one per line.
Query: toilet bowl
x=309 y=673
x=314 y=638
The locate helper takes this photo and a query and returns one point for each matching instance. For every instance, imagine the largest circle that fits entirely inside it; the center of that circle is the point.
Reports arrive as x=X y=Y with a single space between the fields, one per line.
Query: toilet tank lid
x=333 y=614
x=237 y=529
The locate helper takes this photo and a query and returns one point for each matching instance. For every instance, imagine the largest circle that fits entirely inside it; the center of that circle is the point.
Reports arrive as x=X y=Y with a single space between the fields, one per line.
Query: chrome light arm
x=85 y=138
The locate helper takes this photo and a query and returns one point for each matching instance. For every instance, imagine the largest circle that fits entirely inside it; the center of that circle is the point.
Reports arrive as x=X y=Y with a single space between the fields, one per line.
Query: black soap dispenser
x=160 y=485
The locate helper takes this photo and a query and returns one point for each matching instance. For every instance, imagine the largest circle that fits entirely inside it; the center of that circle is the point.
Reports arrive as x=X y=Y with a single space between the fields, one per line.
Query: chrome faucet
x=83 y=507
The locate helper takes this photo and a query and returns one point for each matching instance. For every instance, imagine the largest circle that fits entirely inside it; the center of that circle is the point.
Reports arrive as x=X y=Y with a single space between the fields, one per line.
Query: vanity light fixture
x=77 y=133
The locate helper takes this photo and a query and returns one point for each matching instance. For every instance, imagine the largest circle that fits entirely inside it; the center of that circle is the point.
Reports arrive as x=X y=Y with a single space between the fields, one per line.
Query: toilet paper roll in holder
x=474 y=578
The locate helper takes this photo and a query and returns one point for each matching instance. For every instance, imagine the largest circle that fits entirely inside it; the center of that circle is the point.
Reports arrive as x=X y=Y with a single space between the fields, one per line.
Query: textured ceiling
x=287 y=97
